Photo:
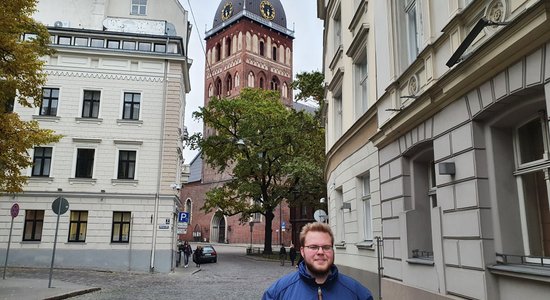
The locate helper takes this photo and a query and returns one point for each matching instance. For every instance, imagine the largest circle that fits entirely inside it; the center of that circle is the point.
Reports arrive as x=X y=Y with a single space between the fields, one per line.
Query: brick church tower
x=249 y=45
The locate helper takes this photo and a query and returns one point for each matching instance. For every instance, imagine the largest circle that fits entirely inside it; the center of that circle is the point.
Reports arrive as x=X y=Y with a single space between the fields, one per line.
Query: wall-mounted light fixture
x=322 y=200
x=482 y=23
x=102 y=195
x=346 y=205
x=447 y=168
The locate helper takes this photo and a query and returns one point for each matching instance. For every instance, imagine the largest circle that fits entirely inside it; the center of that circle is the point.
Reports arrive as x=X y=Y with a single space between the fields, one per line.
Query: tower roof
x=267 y=12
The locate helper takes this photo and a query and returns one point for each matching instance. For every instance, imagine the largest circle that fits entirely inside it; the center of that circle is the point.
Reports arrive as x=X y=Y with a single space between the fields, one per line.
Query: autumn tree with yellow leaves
x=23 y=41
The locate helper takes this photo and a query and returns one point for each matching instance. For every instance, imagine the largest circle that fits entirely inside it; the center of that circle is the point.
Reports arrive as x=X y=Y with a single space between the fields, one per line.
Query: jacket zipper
x=319 y=294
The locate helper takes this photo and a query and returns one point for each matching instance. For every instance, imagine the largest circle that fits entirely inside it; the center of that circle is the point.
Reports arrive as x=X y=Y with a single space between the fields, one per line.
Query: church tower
x=248 y=45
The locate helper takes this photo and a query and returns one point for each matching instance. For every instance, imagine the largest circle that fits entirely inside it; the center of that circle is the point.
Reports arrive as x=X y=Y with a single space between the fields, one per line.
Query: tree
x=23 y=41
x=311 y=88
x=270 y=149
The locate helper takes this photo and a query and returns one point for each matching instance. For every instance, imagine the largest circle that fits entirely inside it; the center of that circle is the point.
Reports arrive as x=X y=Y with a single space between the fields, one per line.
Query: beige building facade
x=116 y=91
x=460 y=95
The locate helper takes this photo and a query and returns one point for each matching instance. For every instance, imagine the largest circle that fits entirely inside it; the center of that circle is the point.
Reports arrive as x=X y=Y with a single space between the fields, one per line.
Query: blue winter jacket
x=301 y=286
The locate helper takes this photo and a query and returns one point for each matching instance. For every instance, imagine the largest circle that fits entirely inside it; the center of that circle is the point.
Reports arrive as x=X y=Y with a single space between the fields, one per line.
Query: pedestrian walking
x=180 y=253
x=292 y=254
x=197 y=256
x=317 y=277
x=282 y=254
x=187 y=251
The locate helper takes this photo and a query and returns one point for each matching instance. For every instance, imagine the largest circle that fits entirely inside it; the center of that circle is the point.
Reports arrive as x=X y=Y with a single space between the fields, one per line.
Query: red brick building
x=248 y=46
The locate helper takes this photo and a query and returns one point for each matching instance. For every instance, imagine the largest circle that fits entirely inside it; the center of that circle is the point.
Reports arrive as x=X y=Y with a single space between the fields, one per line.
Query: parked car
x=209 y=254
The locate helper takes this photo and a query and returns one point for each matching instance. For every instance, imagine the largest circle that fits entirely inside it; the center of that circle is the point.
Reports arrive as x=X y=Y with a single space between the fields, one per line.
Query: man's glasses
x=325 y=248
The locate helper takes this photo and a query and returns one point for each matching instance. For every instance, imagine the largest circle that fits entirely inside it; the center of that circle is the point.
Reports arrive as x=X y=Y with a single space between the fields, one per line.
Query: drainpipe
x=159 y=176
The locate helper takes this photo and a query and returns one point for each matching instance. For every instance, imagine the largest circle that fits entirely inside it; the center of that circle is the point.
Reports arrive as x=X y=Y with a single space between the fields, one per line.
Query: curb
x=73 y=294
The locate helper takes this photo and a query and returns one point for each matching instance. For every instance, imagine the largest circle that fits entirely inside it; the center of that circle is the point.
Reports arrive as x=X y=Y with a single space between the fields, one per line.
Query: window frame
x=43 y=158
x=88 y=163
x=132 y=106
x=366 y=197
x=127 y=164
x=34 y=222
x=138 y=7
x=46 y=108
x=79 y=222
x=93 y=102
x=122 y=224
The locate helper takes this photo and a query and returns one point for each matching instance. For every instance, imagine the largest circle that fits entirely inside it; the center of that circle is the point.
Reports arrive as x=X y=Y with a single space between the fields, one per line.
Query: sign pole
x=54 y=244
x=8 y=250
x=14 y=211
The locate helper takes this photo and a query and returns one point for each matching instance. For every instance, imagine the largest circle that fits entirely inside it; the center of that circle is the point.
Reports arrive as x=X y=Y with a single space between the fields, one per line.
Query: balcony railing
x=508 y=259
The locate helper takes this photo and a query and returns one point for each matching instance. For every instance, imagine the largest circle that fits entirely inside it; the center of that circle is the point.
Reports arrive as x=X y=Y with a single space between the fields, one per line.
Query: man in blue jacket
x=317 y=277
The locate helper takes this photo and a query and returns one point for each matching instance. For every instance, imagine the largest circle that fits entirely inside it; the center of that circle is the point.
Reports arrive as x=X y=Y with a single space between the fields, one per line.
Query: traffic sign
x=14 y=210
x=320 y=216
x=283 y=226
x=183 y=217
x=60 y=205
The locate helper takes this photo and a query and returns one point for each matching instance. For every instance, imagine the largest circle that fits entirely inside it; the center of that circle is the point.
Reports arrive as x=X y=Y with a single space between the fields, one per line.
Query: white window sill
x=129 y=122
x=131 y=182
x=526 y=271
x=340 y=245
x=420 y=261
x=46 y=118
x=88 y=120
x=37 y=179
x=91 y=181
x=365 y=245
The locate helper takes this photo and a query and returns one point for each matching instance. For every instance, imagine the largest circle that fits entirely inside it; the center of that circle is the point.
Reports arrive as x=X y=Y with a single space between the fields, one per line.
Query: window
x=361 y=86
x=338 y=120
x=81 y=41
x=367 y=211
x=275 y=83
x=139 y=7
x=64 y=40
x=160 y=48
x=144 y=46
x=423 y=190
x=274 y=53
x=112 y=44
x=262 y=48
x=129 y=45
x=228 y=84
x=413 y=21
x=90 y=106
x=42 y=161
x=251 y=79
x=121 y=227
x=261 y=82
x=84 y=163
x=126 y=164
x=132 y=102
x=97 y=43
x=50 y=98
x=34 y=221
x=227 y=47
x=218 y=51
x=532 y=155
x=337 y=30
x=218 y=87
x=77 y=226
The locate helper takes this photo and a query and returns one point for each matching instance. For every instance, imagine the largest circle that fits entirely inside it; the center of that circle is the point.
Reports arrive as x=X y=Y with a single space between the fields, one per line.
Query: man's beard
x=315 y=271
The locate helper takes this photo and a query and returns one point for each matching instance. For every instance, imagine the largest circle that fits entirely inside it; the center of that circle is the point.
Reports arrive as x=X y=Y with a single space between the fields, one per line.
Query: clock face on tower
x=227 y=11
x=267 y=10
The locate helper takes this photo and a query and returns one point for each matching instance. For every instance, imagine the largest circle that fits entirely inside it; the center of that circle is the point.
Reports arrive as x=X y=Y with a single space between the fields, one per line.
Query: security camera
x=178 y=187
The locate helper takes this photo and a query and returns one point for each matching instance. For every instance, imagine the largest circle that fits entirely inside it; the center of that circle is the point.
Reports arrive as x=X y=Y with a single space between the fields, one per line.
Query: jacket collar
x=305 y=276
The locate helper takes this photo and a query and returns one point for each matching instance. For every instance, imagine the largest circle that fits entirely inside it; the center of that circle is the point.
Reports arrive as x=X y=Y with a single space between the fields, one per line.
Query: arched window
x=188 y=205
x=237 y=80
x=275 y=83
x=218 y=87
x=274 y=53
x=284 y=92
x=210 y=90
x=218 y=52
x=262 y=48
x=261 y=82
x=228 y=84
x=251 y=79
x=227 y=47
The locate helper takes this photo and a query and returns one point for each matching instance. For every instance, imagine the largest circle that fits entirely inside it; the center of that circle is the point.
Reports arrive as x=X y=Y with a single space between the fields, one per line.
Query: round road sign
x=60 y=206
x=14 y=210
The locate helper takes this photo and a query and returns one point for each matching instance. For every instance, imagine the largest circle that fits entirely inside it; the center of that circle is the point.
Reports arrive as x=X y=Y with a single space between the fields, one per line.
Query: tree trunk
x=268 y=232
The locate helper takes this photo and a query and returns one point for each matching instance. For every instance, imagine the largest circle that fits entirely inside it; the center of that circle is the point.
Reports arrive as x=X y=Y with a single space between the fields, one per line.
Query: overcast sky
x=301 y=16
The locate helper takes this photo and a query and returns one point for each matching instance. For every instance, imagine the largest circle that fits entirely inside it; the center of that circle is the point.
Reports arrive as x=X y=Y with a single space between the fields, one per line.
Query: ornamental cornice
x=102 y=76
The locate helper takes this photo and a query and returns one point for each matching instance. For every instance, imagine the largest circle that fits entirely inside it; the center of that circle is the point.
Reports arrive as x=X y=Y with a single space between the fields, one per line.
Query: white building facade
x=352 y=160
x=460 y=99
x=116 y=91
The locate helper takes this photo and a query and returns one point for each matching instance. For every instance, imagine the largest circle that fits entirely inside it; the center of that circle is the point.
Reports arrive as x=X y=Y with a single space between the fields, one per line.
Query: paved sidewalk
x=31 y=289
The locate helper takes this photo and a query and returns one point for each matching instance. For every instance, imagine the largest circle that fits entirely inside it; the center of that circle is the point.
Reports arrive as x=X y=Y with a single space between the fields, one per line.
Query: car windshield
x=207 y=250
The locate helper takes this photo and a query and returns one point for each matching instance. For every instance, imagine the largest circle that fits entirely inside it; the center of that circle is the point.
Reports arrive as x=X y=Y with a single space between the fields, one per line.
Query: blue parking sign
x=183 y=217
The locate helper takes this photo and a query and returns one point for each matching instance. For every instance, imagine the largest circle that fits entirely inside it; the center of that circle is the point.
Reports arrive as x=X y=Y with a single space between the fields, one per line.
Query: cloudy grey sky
x=301 y=16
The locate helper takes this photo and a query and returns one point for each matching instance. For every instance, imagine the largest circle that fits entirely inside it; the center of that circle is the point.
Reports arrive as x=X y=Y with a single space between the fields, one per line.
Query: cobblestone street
x=234 y=276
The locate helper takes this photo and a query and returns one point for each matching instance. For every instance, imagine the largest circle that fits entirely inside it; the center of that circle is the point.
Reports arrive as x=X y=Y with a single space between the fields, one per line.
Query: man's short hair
x=316 y=226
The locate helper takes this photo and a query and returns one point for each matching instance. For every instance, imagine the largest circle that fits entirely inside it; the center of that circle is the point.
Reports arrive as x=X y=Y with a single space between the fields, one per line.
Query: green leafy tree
x=310 y=86
x=21 y=80
x=270 y=149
